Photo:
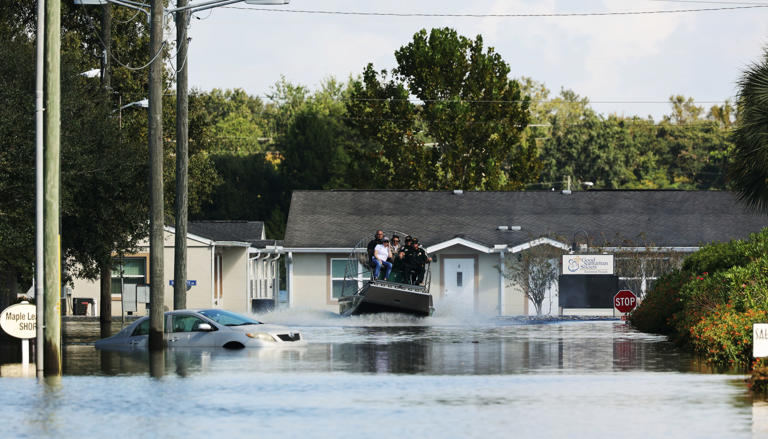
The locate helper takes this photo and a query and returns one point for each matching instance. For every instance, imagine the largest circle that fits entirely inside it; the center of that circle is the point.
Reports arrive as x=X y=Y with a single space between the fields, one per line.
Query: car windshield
x=227 y=318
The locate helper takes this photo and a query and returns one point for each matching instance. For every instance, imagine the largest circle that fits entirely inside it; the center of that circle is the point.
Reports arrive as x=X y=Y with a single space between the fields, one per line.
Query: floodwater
x=392 y=376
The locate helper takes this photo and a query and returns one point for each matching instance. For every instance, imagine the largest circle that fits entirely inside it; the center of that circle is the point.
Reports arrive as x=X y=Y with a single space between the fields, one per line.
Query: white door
x=459 y=277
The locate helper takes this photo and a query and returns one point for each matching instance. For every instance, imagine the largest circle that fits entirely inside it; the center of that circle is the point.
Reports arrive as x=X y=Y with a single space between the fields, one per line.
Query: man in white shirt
x=380 y=255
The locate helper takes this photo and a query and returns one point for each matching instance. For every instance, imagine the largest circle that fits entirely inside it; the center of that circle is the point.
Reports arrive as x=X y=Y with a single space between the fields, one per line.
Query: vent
x=509 y=228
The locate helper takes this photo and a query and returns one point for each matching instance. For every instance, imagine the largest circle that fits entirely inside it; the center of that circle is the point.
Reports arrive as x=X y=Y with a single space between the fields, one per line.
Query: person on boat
x=416 y=261
x=398 y=260
x=394 y=245
x=372 y=245
x=380 y=254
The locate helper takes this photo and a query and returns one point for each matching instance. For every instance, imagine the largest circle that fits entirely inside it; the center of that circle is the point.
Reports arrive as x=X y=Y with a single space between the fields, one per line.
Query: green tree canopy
x=471 y=112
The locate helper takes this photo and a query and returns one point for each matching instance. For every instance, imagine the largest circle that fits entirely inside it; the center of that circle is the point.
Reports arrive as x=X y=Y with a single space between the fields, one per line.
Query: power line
x=503 y=15
x=504 y=101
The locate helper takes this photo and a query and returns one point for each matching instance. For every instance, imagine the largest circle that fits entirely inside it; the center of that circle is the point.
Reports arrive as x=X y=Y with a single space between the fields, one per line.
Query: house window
x=354 y=277
x=134 y=271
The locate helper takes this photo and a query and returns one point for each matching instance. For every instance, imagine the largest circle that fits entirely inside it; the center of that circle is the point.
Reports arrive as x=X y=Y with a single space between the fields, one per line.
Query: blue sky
x=605 y=58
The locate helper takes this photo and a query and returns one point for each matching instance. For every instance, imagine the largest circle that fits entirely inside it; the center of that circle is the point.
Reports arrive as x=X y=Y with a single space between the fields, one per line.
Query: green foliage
x=471 y=111
x=683 y=151
x=660 y=304
x=712 y=302
x=749 y=172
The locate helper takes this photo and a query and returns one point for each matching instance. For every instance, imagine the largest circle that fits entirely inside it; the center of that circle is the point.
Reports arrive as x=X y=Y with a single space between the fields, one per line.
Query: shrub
x=724 y=336
x=655 y=312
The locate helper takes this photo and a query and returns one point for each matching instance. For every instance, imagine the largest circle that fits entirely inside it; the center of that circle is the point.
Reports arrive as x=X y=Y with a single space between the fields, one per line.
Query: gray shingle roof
x=630 y=218
x=242 y=231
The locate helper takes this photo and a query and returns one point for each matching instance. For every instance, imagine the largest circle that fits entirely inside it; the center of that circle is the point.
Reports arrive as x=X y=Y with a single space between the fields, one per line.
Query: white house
x=230 y=264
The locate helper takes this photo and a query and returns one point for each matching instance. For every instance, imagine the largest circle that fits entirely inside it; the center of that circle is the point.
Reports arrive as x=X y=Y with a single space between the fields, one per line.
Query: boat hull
x=387 y=297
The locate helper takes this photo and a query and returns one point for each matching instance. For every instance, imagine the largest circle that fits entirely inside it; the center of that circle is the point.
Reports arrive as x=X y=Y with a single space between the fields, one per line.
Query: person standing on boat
x=380 y=255
x=416 y=261
x=372 y=245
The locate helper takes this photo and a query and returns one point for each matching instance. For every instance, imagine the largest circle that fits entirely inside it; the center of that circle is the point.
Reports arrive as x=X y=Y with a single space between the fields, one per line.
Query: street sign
x=19 y=320
x=625 y=301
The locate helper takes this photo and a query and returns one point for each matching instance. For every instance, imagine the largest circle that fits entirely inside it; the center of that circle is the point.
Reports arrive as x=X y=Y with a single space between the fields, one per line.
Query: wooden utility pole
x=156 y=217
x=51 y=169
x=182 y=152
x=105 y=286
x=39 y=204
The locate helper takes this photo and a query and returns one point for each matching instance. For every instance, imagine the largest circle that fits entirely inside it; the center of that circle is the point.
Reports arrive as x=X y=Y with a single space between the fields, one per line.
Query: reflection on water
x=393 y=376
x=570 y=347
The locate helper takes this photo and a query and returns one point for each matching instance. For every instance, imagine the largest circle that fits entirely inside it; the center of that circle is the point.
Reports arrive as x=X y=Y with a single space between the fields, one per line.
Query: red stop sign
x=625 y=301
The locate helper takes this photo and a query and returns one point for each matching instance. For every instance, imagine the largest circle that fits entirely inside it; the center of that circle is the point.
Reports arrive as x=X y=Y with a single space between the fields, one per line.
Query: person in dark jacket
x=415 y=262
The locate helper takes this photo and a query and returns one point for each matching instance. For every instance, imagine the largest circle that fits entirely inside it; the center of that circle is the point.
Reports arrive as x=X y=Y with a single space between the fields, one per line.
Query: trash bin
x=80 y=305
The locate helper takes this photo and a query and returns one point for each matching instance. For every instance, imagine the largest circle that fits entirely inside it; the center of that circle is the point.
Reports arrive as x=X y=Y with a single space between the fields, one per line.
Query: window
x=142 y=329
x=134 y=271
x=355 y=276
x=186 y=323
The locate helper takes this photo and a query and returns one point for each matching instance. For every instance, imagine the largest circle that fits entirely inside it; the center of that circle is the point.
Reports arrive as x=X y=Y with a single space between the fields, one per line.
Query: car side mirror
x=205 y=327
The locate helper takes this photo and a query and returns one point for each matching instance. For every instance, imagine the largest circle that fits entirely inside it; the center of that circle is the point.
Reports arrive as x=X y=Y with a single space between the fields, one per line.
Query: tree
x=534 y=271
x=749 y=168
x=471 y=111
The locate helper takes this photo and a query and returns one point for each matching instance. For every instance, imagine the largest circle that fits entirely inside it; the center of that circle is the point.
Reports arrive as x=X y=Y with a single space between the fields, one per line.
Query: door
x=459 y=278
x=185 y=332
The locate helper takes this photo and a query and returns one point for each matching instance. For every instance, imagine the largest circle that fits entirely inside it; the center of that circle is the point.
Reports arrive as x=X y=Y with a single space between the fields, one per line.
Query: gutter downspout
x=213 y=274
x=289 y=282
x=501 y=282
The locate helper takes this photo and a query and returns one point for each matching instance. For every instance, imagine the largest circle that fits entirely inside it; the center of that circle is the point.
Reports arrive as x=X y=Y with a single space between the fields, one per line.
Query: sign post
x=20 y=321
x=625 y=301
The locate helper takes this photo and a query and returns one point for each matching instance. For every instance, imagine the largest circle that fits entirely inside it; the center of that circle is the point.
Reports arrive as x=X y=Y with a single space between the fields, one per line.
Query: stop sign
x=625 y=301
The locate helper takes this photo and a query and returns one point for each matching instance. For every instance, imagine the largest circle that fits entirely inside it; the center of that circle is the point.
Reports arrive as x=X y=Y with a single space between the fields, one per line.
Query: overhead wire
x=497 y=15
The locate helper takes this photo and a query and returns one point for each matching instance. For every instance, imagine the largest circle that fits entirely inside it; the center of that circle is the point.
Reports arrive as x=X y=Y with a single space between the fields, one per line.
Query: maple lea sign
x=19 y=320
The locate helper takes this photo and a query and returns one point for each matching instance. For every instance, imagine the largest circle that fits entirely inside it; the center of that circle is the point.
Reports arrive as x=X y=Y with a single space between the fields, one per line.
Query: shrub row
x=711 y=303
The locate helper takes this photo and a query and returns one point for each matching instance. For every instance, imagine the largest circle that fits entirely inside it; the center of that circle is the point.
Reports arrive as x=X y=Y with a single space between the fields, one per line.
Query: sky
x=624 y=64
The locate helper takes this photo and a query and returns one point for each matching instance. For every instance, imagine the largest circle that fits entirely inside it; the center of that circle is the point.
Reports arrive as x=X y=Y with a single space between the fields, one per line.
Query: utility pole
x=156 y=217
x=105 y=285
x=39 y=205
x=182 y=158
x=51 y=237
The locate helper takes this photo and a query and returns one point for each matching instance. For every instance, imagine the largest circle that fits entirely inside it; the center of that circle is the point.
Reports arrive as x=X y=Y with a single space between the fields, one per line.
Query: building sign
x=19 y=320
x=760 y=340
x=587 y=264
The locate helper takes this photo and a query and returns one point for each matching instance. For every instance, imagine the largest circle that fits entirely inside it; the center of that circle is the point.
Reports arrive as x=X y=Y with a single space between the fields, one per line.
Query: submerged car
x=206 y=328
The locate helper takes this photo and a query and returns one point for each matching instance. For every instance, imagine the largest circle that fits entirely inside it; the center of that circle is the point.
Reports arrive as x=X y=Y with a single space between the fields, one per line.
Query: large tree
x=470 y=113
x=749 y=169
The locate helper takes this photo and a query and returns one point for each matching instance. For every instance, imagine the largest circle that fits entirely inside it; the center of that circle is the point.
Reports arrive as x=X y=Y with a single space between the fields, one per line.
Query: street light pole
x=182 y=160
x=156 y=217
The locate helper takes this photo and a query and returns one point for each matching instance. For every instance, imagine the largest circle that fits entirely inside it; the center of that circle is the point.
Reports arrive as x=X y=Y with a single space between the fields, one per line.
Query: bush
x=724 y=336
x=655 y=312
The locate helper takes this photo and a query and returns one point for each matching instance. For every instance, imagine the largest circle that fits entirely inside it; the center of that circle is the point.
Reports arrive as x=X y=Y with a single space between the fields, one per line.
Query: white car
x=206 y=328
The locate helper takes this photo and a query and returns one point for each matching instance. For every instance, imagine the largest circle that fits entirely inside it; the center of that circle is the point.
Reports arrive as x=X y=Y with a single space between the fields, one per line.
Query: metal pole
x=39 y=109
x=182 y=159
x=52 y=239
x=156 y=219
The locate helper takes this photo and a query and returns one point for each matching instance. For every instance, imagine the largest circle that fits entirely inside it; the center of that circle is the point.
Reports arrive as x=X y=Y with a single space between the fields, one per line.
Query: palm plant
x=749 y=168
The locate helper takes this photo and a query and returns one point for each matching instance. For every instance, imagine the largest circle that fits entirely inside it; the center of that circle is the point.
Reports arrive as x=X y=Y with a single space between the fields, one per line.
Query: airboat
x=362 y=294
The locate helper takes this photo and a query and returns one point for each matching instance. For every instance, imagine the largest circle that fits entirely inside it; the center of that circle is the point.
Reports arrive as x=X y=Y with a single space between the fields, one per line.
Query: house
x=472 y=235
x=230 y=265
